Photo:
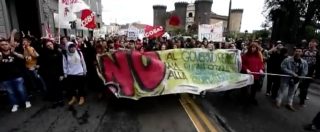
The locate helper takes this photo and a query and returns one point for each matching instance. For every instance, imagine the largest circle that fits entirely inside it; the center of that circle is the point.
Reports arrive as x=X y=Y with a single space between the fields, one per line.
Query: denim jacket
x=288 y=67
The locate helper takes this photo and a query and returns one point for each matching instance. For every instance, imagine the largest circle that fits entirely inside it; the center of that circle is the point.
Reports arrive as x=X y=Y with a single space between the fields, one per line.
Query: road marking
x=192 y=115
x=194 y=108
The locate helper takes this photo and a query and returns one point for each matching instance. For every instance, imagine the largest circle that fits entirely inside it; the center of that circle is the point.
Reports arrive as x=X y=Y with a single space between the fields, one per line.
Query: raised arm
x=13 y=33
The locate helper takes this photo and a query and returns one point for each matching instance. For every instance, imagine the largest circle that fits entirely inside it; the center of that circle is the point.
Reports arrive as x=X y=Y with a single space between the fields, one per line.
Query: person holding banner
x=252 y=61
x=296 y=67
x=211 y=47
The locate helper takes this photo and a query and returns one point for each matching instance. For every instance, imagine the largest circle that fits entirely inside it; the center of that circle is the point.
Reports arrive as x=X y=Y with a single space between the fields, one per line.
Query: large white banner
x=212 y=32
x=68 y=10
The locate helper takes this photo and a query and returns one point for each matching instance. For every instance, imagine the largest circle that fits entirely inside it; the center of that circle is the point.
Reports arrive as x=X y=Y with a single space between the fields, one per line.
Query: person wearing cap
x=75 y=70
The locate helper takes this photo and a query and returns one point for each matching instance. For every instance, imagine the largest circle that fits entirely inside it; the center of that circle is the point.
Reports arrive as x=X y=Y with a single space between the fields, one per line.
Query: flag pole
x=59 y=30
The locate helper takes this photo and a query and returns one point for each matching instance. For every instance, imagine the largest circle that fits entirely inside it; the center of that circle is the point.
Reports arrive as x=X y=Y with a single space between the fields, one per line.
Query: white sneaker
x=14 y=108
x=28 y=104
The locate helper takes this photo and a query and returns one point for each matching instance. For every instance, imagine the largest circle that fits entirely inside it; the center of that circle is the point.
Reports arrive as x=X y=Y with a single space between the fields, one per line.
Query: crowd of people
x=28 y=65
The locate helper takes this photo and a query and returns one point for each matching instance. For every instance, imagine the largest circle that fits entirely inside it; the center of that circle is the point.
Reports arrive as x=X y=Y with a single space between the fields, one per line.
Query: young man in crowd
x=295 y=67
x=31 y=59
x=274 y=66
x=310 y=55
x=11 y=75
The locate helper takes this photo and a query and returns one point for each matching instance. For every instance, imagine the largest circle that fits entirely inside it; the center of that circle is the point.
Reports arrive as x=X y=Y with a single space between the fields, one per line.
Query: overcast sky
x=127 y=11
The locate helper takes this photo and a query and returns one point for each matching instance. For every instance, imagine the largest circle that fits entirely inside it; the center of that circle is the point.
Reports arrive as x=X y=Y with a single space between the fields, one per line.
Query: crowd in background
x=51 y=66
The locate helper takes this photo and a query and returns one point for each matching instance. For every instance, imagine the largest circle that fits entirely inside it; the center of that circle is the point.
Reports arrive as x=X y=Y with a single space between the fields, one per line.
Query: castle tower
x=235 y=20
x=159 y=15
x=181 y=12
x=203 y=11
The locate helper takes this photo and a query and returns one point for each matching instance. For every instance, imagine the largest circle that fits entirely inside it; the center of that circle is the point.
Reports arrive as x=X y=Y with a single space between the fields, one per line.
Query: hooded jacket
x=73 y=63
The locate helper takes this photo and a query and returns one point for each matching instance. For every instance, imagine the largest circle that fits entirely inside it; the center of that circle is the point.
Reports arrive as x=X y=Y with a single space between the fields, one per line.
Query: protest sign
x=212 y=32
x=88 y=19
x=153 y=32
x=132 y=33
x=133 y=75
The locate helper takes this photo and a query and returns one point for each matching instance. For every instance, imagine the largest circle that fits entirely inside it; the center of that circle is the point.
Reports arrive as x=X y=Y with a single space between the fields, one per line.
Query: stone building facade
x=35 y=15
x=197 y=13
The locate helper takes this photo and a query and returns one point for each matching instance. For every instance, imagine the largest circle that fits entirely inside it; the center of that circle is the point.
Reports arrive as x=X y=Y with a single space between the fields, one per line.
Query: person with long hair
x=252 y=62
x=51 y=69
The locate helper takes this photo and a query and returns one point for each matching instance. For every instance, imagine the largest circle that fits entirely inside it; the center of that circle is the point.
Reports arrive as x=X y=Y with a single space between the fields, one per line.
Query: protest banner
x=212 y=32
x=133 y=75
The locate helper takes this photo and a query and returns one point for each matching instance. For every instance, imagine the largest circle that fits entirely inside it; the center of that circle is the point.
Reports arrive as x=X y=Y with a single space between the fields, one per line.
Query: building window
x=190 y=14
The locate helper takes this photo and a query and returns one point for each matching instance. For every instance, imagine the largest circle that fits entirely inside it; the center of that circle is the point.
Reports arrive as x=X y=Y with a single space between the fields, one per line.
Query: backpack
x=64 y=52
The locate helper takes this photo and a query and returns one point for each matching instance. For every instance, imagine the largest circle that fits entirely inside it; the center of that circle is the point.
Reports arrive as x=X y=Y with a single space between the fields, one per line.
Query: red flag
x=174 y=21
x=153 y=32
x=88 y=19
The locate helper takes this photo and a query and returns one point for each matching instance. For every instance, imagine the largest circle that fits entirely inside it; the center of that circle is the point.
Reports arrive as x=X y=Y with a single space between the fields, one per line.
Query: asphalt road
x=265 y=117
x=170 y=113
x=156 y=114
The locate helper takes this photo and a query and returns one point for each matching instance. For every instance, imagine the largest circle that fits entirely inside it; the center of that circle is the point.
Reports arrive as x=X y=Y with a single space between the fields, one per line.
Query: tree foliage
x=292 y=19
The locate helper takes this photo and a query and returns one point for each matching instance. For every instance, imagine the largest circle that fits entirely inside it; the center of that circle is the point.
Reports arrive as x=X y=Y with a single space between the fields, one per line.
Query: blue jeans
x=16 y=91
x=287 y=86
x=35 y=81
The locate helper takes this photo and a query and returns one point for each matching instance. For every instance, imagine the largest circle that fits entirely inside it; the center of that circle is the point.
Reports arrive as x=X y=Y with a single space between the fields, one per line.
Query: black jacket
x=10 y=67
x=50 y=62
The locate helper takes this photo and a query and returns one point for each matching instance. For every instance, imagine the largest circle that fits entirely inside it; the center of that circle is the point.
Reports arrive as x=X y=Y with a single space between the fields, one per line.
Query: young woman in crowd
x=74 y=67
x=252 y=63
x=51 y=69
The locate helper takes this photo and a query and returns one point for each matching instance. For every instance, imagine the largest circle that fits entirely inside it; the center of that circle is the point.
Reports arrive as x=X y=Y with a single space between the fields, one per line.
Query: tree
x=291 y=18
x=193 y=29
x=264 y=34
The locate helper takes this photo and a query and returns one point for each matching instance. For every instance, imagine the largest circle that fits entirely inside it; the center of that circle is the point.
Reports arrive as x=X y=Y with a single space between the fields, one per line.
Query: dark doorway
x=28 y=16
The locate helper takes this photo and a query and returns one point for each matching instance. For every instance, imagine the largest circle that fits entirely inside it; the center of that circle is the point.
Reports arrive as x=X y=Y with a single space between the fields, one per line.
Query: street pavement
x=241 y=117
x=170 y=113
x=156 y=114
